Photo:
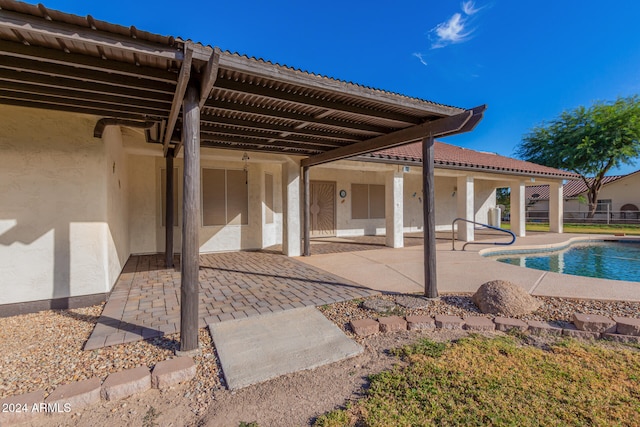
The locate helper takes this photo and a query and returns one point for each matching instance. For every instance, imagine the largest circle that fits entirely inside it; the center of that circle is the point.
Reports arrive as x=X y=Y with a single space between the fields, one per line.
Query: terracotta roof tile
x=570 y=189
x=463 y=158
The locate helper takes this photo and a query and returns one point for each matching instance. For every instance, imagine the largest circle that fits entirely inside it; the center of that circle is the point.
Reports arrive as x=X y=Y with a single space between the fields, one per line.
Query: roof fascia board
x=436 y=128
x=20 y=22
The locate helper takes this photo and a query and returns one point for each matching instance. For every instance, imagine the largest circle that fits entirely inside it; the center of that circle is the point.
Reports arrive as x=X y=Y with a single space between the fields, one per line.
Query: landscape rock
x=504 y=298
x=594 y=323
x=392 y=324
x=506 y=324
x=411 y=302
x=627 y=325
x=447 y=322
x=478 y=323
x=365 y=327
x=379 y=305
x=415 y=323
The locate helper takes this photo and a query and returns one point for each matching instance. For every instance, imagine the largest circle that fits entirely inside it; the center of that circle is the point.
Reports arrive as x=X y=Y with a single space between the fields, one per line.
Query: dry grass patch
x=481 y=381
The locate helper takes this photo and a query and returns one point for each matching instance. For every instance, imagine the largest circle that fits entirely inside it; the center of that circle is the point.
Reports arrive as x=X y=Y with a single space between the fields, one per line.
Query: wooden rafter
x=209 y=76
x=178 y=97
x=440 y=127
x=50 y=56
x=272 y=127
x=396 y=119
x=292 y=115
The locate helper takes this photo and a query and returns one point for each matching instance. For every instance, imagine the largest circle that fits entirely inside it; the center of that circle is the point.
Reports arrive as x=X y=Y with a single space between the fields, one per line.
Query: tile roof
x=447 y=155
x=570 y=189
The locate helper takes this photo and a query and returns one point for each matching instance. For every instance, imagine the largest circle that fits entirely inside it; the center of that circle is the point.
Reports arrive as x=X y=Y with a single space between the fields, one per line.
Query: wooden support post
x=169 y=214
x=307 y=214
x=429 y=215
x=190 y=222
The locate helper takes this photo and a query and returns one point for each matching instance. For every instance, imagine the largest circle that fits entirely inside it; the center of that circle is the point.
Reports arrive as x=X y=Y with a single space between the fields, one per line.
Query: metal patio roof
x=54 y=60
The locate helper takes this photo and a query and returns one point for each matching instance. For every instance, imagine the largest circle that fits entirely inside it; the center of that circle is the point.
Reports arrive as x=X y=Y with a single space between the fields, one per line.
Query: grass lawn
x=630 y=229
x=479 y=381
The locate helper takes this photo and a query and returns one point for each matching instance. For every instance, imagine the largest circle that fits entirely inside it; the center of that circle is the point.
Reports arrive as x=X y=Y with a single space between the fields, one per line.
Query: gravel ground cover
x=43 y=350
x=553 y=309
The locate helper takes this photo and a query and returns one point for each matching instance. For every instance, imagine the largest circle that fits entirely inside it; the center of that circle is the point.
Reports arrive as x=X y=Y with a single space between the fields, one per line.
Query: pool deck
x=401 y=270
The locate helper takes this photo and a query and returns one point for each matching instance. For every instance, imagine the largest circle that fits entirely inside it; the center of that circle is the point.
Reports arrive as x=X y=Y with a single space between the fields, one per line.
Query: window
x=367 y=201
x=163 y=190
x=225 y=197
x=268 y=198
x=602 y=205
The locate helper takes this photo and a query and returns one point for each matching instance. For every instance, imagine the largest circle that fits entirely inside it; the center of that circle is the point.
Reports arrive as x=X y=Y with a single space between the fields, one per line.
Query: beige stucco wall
x=485 y=198
x=56 y=237
x=147 y=234
x=347 y=173
x=622 y=191
x=117 y=186
x=359 y=174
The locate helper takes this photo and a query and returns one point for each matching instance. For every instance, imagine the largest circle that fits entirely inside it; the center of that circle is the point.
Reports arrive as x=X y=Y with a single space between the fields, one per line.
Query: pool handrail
x=453 y=234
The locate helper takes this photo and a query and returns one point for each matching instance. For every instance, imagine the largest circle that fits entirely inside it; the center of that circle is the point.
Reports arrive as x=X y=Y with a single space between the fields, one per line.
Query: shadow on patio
x=145 y=302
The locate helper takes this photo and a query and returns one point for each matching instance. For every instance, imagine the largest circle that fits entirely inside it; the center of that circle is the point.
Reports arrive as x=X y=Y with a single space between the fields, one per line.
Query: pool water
x=605 y=260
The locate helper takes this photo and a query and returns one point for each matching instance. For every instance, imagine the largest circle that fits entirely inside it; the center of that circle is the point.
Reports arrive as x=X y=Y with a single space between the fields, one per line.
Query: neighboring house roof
x=570 y=189
x=453 y=157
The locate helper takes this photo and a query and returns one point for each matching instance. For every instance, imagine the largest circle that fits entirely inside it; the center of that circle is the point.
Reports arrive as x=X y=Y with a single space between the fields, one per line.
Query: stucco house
x=116 y=142
x=619 y=199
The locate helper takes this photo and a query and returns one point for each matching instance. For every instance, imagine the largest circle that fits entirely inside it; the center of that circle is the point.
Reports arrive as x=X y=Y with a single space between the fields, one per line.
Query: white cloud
x=469 y=8
x=456 y=29
x=420 y=57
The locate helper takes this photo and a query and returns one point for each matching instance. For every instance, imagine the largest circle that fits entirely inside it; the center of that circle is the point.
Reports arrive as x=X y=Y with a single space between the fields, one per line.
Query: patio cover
x=53 y=60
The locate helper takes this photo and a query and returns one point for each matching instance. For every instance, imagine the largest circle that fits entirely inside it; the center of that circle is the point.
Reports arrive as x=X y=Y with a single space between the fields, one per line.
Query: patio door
x=322 y=208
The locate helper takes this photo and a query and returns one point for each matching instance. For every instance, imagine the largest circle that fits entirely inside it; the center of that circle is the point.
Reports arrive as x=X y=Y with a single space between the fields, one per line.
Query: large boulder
x=504 y=298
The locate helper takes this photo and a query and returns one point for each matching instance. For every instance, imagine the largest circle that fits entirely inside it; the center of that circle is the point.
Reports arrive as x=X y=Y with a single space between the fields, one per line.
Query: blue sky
x=527 y=60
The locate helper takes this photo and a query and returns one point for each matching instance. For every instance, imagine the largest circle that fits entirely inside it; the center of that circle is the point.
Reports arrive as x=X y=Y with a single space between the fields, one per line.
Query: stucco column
x=291 y=230
x=556 y=211
x=394 y=208
x=465 y=197
x=518 y=213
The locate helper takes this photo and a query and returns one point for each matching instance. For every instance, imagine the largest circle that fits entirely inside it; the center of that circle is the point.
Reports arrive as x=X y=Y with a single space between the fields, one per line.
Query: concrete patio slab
x=257 y=349
x=401 y=270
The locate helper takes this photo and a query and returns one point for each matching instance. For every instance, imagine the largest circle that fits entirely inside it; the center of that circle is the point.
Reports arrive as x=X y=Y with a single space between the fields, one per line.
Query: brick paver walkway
x=145 y=302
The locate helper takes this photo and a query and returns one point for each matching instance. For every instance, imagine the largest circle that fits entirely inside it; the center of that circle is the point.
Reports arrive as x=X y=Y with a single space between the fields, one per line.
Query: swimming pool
x=615 y=260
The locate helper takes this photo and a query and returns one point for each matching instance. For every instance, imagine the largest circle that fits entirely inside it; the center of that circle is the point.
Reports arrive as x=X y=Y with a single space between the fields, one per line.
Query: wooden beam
x=169 y=214
x=324 y=143
x=439 y=127
x=42 y=80
x=251 y=141
x=253 y=146
x=364 y=128
x=277 y=128
x=113 y=109
x=89 y=76
x=98 y=129
x=51 y=56
x=234 y=62
x=21 y=102
x=306 y=212
x=397 y=119
x=190 y=263
x=178 y=97
x=429 y=218
x=75 y=96
x=209 y=76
